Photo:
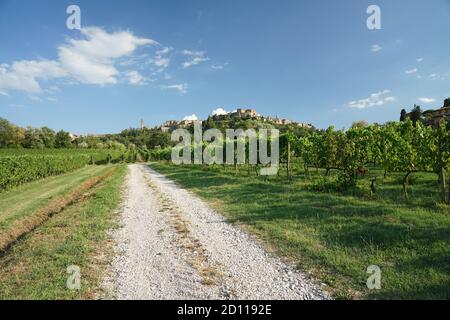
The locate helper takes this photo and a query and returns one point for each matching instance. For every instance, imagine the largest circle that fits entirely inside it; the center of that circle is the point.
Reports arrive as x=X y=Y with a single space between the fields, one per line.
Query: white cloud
x=219 y=66
x=192 y=117
x=419 y=59
x=195 y=57
x=135 y=78
x=164 y=51
x=52 y=99
x=90 y=60
x=427 y=100
x=219 y=112
x=376 y=48
x=25 y=75
x=2 y=93
x=436 y=76
x=375 y=99
x=182 y=88
x=161 y=61
x=411 y=71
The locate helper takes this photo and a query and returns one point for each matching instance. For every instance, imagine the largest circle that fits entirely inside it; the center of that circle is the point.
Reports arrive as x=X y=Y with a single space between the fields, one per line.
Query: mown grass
x=23 y=201
x=35 y=267
x=336 y=236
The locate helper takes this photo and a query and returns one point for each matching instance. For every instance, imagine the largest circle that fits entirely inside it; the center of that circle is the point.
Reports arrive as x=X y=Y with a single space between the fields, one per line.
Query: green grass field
x=24 y=200
x=35 y=267
x=337 y=236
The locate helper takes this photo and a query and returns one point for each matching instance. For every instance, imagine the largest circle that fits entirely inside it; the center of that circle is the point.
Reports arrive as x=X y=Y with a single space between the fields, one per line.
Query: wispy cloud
x=427 y=100
x=161 y=59
x=194 y=58
x=376 y=48
x=219 y=66
x=375 y=99
x=411 y=71
x=135 y=78
x=436 y=76
x=182 y=88
x=419 y=60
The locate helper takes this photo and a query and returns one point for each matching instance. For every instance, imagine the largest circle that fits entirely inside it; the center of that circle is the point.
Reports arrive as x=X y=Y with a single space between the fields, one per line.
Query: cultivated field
x=58 y=207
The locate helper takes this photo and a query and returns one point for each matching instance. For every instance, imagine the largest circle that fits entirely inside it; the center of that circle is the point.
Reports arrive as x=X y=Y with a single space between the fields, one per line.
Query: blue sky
x=309 y=61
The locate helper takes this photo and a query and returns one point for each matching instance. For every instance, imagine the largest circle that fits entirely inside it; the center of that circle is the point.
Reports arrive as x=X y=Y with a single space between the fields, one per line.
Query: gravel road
x=172 y=245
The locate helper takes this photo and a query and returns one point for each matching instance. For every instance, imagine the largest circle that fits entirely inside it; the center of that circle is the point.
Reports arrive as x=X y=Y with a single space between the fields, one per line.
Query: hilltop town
x=238 y=114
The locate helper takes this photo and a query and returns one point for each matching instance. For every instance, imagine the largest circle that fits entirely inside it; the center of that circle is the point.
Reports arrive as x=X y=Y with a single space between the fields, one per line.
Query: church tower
x=142 y=124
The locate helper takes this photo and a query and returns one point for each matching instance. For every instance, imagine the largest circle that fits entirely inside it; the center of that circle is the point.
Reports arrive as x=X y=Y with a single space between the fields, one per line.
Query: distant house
x=304 y=125
x=170 y=123
x=439 y=114
x=186 y=123
x=245 y=113
x=434 y=117
x=73 y=136
x=240 y=113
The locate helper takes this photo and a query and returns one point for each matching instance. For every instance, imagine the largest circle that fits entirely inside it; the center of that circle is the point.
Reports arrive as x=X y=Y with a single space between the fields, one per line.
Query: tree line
x=13 y=136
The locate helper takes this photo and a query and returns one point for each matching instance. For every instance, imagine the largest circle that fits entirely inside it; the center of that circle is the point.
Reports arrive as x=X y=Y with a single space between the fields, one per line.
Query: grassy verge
x=337 y=236
x=14 y=225
x=36 y=266
x=23 y=201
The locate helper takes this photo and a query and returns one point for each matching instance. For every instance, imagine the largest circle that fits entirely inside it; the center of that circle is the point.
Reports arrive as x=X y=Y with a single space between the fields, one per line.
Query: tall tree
x=33 y=138
x=403 y=115
x=63 y=140
x=416 y=114
x=10 y=135
x=447 y=103
x=48 y=137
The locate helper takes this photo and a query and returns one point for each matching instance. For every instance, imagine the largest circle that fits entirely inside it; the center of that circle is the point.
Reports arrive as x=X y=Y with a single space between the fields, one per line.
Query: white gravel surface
x=174 y=246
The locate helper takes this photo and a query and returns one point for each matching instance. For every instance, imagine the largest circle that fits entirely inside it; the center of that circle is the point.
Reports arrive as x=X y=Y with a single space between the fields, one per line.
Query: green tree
x=403 y=115
x=48 y=137
x=158 y=138
x=447 y=103
x=416 y=114
x=11 y=136
x=63 y=140
x=33 y=138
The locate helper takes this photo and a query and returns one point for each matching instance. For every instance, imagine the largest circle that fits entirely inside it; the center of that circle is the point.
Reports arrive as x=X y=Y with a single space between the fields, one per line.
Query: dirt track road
x=173 y=246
